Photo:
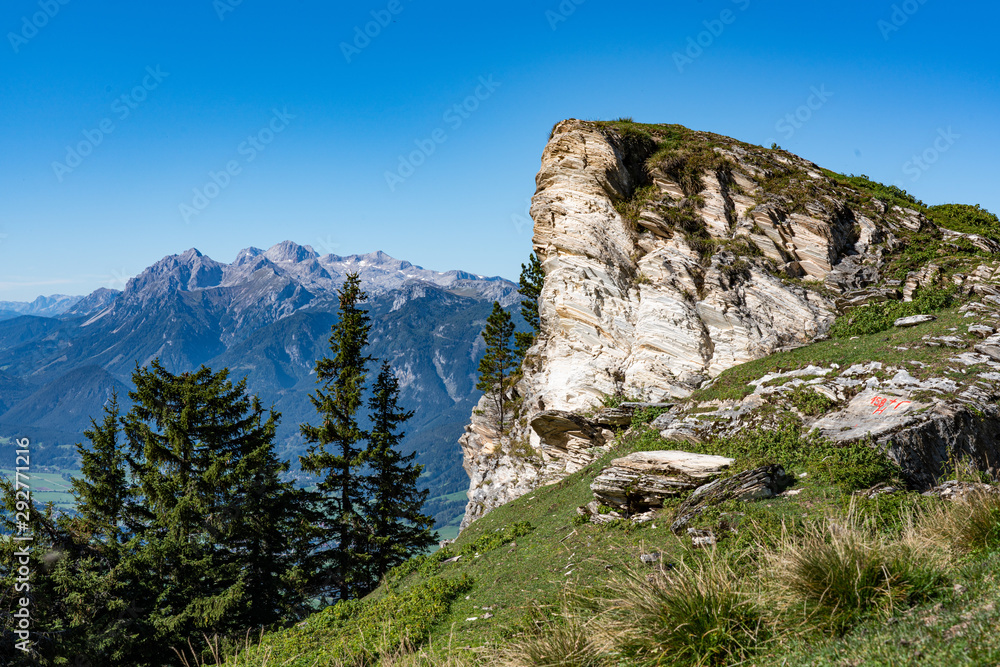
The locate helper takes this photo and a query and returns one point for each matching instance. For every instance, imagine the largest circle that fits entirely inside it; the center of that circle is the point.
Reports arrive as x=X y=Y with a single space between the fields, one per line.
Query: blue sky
x=236 y=124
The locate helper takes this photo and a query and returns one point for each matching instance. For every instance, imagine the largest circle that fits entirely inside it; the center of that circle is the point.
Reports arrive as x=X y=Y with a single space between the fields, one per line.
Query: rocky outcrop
x=946 y=436
x=655 y=304
x=757 y=484
x=643 y=480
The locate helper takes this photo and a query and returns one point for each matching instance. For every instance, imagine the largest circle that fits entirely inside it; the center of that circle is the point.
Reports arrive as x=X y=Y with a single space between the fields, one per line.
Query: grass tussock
x=967 y=526
x=838 y=572
x=690 y=615
x=570 y=641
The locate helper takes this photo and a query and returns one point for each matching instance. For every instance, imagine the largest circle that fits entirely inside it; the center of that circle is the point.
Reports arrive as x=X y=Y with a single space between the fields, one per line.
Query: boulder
x=981 y=330
x=913 y=320
x=614 y=417
x=568 y=430
x=874 y=412
x=857 y=298
x=556 y=427
x=948 y=432
x=991 y=351
x=764 y=482
x=643 y=480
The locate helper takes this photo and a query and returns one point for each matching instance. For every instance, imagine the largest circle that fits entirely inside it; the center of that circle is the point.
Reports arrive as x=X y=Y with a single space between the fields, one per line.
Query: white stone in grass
x=970 y=359
x=904 y=379
x=913 y=320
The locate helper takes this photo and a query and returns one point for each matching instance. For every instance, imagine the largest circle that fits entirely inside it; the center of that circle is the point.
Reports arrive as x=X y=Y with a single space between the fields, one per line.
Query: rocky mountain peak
x=94 y=302
x=288 y=251
x=247 y=255
x=185 y=272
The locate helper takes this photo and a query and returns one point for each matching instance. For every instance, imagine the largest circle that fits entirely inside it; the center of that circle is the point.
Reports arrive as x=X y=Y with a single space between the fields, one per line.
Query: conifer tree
x=85 y=595
x=498 y=365
x=103 y=490
x=184 y=528
x=104 y=589
x=201 y=452
x=398 y=528
x=335 y=452
x=530 y=287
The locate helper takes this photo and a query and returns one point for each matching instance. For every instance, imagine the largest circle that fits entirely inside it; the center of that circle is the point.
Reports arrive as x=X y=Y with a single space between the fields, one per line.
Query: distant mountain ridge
x=43 y=306
x=266 y=316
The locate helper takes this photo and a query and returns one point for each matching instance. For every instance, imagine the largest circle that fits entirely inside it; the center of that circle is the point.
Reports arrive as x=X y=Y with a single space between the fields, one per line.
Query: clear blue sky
x=890 y=90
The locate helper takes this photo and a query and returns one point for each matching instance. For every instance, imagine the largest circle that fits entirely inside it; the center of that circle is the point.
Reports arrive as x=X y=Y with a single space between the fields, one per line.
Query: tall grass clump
x=839 y=572
x=967 y=526
x=690 y=615
x=569 y=642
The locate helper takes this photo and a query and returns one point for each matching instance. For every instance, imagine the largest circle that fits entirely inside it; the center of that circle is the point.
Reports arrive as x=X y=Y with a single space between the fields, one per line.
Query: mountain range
x=266 y=316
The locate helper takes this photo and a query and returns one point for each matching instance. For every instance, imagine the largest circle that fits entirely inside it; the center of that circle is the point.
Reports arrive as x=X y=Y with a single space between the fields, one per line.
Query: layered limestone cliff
x=669 y=256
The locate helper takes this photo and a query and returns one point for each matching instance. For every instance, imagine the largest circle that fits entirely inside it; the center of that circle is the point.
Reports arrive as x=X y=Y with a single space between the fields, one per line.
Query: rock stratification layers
x=667 y=260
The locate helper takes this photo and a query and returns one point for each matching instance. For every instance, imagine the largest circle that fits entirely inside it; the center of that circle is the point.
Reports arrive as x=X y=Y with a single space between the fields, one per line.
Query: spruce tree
x=52 y=633
x=497 y=367
x=104 y=590
x=103 y=490
x=335 y=453
x=398 y=528
x=184 y=528
x=530 y=287
x=201 y=452
x=83 y=594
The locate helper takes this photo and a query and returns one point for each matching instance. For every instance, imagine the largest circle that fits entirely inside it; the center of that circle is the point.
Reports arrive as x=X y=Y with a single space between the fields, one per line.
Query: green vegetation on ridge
x=806 y=577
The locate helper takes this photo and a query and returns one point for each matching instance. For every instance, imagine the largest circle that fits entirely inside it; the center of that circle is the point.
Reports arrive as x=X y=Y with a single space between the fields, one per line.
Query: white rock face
x=671 y=462
x=635 y=309
x=645 y=479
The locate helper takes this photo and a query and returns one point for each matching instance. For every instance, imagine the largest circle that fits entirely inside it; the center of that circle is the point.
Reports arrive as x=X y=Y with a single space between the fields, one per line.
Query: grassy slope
x=524 y=584
x=531 y=577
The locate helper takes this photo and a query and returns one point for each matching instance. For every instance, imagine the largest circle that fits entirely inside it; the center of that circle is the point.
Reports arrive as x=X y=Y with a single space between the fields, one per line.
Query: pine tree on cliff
x=498 y=366
x=530 y=287
x=398 y=528
x=335 y=454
